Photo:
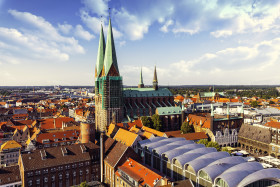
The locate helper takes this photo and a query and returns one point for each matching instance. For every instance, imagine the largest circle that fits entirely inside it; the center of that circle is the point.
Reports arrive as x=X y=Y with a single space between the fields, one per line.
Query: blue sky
x=50 y=42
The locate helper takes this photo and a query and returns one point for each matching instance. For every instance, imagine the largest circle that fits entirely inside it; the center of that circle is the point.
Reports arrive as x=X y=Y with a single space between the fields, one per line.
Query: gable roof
x=126 y=137
x=153 y=131
x=195 y=120
x=11 y=144
x=169 y=110
x=140 y=173
x=255 y=133
x=115 y=154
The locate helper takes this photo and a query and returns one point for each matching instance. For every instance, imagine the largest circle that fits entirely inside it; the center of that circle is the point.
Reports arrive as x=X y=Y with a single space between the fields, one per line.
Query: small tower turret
x=155 y=81
x=141 y=84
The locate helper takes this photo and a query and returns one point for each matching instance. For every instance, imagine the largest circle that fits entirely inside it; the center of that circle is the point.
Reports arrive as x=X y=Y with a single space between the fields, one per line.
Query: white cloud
x=94 y=24
x=221 y=33
x=133 y=27
x=65 y=28
x=42 y=43
x=122 y=43
x=255 y=64
x=81 y=33
x=168 y=23
x=219 y=18
x=99 y=7
x=47 y=32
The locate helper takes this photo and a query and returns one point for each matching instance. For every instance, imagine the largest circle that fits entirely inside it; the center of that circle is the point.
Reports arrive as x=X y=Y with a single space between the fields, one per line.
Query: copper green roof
x=169 y=110
x=110 y=52
x=100 y=54
x=146 y=92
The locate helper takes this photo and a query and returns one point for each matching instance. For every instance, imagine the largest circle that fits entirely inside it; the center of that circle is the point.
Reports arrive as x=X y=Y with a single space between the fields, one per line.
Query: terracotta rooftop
x=140 y=173
x=54 y=123
x=273 y=124
x=187 y=136
x=60 y=136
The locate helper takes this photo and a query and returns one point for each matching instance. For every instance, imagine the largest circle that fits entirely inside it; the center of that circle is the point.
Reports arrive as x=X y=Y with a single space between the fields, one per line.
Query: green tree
x=186 y=128
x=214 y=144
x=271 y=102
x=84 y=184
x=254 y=104
x=146 y=121
x=157 y=123
x=226 y=150
x=203 y=141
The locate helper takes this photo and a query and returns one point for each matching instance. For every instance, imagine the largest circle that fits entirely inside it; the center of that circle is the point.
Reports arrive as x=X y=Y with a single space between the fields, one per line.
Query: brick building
x=60 y=166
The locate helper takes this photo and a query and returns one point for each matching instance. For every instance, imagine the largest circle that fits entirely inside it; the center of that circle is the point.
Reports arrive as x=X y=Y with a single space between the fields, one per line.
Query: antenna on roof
x=101 y=19
x=109 y=10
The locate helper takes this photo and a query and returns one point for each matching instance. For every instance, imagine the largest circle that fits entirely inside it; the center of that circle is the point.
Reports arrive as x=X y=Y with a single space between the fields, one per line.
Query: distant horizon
x=149 y=85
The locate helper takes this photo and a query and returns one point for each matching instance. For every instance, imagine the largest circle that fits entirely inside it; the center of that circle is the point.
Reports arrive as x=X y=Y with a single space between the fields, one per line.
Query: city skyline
x=191 y=43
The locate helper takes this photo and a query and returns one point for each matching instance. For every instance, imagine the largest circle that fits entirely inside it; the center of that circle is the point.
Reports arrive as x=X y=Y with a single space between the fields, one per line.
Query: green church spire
x=141 y=84
x=100 y=54
x=110 y=60
x=155 y=81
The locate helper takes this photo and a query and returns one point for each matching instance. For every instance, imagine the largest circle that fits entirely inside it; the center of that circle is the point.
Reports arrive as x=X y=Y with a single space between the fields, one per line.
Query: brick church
x=118 y=104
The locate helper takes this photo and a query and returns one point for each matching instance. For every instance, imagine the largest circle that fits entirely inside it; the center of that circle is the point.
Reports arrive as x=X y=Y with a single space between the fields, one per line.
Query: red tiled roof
x=179 y=98
x=187 y=136
x=140 y=173
x=273 y=124
x=128 y=126
x=58 y=135
x=49 y=123
x=195 y=120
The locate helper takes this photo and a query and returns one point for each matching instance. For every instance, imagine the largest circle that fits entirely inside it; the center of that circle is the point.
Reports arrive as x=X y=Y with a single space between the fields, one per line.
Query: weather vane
x=109 y=12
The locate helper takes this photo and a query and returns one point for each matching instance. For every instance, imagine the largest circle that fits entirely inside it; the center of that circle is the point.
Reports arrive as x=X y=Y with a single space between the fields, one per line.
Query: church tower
x=108 y=84
x=141 y=84
x=155 y=81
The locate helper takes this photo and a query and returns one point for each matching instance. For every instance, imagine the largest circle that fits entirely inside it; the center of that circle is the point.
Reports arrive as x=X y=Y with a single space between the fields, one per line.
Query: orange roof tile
x=195 y=120
x=153 y=131
x=179 y=98
x=49 y=123
x=273 y=124
x=59 y=135
x=140 y=173
x=187 y=136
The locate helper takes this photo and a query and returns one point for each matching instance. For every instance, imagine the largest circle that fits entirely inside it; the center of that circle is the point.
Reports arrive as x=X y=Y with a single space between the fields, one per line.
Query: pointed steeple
x=110 y=60
x=141 y=84
x=100 y=54
x=155 y=81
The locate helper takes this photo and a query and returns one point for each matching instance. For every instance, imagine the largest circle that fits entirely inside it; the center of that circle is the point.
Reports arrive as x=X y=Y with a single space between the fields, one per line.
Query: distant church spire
x=141 y=84
x=110 y=60
x=100 y=54
x=155 y=81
